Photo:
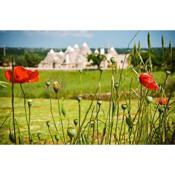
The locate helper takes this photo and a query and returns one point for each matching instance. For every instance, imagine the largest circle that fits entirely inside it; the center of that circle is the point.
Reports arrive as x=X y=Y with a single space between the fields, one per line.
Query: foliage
x=32 y=59
x=96 y=59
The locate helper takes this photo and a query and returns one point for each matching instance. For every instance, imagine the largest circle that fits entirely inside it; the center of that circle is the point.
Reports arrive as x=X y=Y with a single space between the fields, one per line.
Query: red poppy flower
x=147 y=80
x=22 y=75
x=162 y=101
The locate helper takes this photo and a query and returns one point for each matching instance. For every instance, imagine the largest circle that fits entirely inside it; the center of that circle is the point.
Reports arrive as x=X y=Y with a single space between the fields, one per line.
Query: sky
x=95 y=39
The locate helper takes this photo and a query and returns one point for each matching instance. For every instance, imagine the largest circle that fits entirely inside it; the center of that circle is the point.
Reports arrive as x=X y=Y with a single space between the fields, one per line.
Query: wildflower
x=147 y=80
x=22 y=75
x=162 y=101
x=56 y=86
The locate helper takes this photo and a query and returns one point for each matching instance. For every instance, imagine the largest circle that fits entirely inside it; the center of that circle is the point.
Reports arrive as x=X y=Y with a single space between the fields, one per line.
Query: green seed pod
x=135 y=49
x=104 y=131
x=47 y=83
x=116 y=85
x=56 y=86
x=20 y=140
x=129 y=122
x=81 y=70
x=138 y=47
x=113 y=108
x=79 y=98
x=57 y=138
x=170 y=51
x=29 y=102
x=160 y=109
x=92 y=124
x=124 y=106
x=162 y=41
x=112 y=59
x=99 y=102
x=63 y=111
x=75 y=122
x=12 y=137
x=168 y=72
x=149 y=41
x=39 y=135
x=71 y=132
x=48 y=123
x=149 y=99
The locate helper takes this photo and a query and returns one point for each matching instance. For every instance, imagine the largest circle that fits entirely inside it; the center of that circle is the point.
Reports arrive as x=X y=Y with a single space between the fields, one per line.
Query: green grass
x=74 y=83
x=41 y=113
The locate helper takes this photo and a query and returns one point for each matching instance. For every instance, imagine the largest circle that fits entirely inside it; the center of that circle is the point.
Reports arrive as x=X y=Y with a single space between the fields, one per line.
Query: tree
x=32 y=59
x=96 y=59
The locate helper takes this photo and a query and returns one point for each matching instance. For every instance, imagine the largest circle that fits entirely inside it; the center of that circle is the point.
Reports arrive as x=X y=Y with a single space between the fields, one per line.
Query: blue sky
x=61 y=39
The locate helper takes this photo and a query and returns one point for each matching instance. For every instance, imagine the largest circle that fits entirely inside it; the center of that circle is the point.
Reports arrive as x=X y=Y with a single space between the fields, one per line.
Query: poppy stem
x=51 y=111
x=13 y=111
x=25 y=109
x=61 y=121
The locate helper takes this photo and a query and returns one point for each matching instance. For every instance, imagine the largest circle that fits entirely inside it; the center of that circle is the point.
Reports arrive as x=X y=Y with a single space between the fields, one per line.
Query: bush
x=32 y=59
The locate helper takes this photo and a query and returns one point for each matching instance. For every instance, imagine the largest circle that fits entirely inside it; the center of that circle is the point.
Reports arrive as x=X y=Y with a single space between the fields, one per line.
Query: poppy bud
x=11 y=137
x=48 y=123
x=29 y=102
x=129 y=122
x=56 y=86
x=63 y=111
x=39 y=135
x=48 y=84
x=116 y=85
x=80 y=70
x=168 y=72
x=124 y=106
x=75 y=122
x=71 y=132
x=104 y=131
x=161 y=110
x=79 y=98
x=57 y=138
x=99 y=102
x=112 y=60
x=149 y=99
x=100 y=69
x=92 y=124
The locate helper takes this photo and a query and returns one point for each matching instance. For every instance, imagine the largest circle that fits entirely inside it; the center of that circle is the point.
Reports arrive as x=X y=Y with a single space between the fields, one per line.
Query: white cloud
x=84 y=34
x=66 y=33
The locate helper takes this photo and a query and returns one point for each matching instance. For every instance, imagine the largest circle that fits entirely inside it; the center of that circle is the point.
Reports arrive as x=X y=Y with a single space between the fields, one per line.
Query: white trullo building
x=76 y=57
x=52 y=60
x=73 y=57
x=120 y=59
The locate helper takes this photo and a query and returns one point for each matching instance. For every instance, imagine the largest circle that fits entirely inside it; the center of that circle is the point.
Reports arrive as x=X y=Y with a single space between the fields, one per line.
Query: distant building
x=76 y=57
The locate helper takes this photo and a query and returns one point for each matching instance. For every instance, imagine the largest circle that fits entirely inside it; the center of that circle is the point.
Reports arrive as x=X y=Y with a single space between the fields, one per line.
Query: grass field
x=41 y=113
x=75 y=83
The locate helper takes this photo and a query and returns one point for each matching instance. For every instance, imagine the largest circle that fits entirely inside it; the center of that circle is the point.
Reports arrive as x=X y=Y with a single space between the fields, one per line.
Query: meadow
x=114 y=120
x=75 y=83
